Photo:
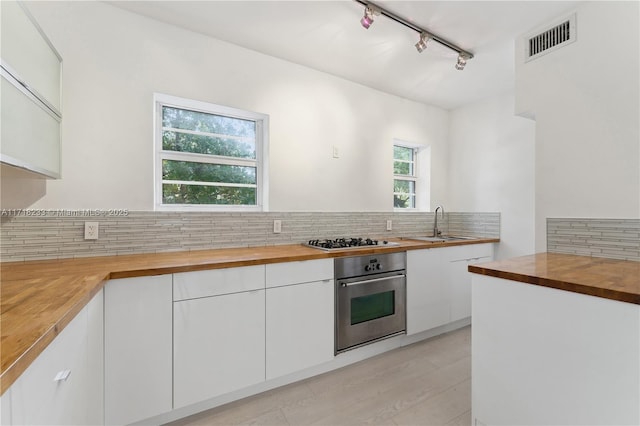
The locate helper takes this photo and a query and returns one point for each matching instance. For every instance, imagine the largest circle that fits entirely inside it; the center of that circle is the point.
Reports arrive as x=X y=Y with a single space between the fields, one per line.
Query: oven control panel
x=354 y=266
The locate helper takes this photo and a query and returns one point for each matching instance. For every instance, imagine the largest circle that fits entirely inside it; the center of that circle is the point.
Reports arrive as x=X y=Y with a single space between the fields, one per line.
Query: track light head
x=369 y=12
x=367 y=19
x=462 y=61
x=421 y=45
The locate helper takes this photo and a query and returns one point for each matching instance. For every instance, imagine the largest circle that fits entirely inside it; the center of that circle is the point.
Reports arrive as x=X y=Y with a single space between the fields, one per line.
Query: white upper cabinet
x=29 y=55
x=31 y=93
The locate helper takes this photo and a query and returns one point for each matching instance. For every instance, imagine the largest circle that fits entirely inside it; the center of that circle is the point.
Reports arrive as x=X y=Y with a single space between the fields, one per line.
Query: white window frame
x=420 y=177
x=261 y=162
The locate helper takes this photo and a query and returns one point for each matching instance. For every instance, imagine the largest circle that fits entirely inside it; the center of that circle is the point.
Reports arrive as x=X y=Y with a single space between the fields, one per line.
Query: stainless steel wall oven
x=370 y=298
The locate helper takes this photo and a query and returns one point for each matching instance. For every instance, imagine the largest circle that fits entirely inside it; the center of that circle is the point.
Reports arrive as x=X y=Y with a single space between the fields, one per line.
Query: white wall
x=586 y=103
x=114 y=61
x=491 y=168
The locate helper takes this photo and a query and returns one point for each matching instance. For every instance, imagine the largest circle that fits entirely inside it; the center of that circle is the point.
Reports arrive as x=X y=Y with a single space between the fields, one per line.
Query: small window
x=208 y=157
x=404 y=177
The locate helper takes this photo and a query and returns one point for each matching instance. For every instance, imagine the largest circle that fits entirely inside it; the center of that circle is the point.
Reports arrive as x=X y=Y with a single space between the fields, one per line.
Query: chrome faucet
x=436 y=232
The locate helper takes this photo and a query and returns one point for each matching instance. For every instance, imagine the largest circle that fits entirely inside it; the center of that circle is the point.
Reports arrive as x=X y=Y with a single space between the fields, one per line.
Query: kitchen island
x=556 y=340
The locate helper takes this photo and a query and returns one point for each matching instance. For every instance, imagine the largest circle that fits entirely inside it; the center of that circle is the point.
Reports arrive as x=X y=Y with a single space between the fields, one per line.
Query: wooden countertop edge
x=611 y=294
x=22 y=362
x=406 y=244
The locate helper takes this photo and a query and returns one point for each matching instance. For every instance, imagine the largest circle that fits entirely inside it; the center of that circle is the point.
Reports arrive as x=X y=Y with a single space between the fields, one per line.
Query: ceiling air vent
x=551 y=39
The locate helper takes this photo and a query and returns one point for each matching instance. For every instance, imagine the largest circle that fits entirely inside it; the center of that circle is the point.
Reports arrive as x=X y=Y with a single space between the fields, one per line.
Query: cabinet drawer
x=467 y=252
x=279 y=274
x=457 y=253
x=483 y=250
x=215 y=282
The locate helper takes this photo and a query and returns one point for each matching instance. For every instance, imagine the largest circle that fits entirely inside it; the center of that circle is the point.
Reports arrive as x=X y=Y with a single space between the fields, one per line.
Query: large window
x=208 y=157
x=404 y=177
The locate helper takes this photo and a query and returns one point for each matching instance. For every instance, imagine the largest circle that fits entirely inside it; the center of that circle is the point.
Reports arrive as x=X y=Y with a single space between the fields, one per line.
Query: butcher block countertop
x=39 y=298
x=607 y=278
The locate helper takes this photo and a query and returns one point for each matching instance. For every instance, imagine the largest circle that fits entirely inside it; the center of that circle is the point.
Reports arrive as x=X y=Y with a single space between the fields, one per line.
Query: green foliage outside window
x=403 y=166
x=214 y=136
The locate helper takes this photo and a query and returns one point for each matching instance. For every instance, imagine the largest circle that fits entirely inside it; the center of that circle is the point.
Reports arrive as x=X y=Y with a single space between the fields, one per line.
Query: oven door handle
x=343 y=284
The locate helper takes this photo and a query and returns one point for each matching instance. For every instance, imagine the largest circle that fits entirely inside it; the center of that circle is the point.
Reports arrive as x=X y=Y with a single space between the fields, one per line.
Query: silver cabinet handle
x=62 y=376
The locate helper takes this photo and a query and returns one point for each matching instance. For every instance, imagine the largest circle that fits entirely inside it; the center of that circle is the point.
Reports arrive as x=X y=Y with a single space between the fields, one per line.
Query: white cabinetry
x=138 y=342
x=439 y=285
x=5 y=408
x=299 y=316
x=544 y=356
x=95 y=343
x=30 y=106
x=63 y=385
x=427 y=291
x=219 y=336
x=457 y=260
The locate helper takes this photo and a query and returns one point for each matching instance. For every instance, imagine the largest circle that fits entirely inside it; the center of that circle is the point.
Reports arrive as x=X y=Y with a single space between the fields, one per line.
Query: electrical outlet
x=91 y=230
x=336 y=152
x=277 y=226
x=389 y=225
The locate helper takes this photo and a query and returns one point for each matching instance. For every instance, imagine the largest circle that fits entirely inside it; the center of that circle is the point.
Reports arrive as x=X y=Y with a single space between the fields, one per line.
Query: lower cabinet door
x=95 y=361
x=219 y=345
x=300 y=327
x=54 y=389
x=137 y=342
x=428 y=293
x=5 y=408
x=460 y=282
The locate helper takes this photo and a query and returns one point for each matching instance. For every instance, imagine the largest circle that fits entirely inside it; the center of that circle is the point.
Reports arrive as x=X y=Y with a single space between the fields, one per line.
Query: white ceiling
x=327 y=36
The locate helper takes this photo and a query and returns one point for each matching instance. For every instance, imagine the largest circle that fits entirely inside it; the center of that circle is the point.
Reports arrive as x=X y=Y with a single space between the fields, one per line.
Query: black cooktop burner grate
x=345 y=243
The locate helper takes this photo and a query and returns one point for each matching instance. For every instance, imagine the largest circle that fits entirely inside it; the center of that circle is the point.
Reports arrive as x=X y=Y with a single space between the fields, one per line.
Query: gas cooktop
x=347 y=243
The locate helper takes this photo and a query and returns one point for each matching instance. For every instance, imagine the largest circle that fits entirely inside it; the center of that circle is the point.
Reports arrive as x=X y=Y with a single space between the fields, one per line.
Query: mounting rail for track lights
x=372 y=8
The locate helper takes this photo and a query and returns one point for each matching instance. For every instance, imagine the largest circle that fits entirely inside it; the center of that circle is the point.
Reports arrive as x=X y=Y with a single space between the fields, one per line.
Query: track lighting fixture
x=462 y=61
x=367 y=19
x=372 y=9
x=422 y=43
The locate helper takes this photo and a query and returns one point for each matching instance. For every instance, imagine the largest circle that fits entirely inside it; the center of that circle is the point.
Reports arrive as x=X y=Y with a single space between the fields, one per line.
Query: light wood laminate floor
x=427 y=383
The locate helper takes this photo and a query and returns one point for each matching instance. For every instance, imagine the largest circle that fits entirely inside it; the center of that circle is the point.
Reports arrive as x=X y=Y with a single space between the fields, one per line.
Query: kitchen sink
x=440 y=239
